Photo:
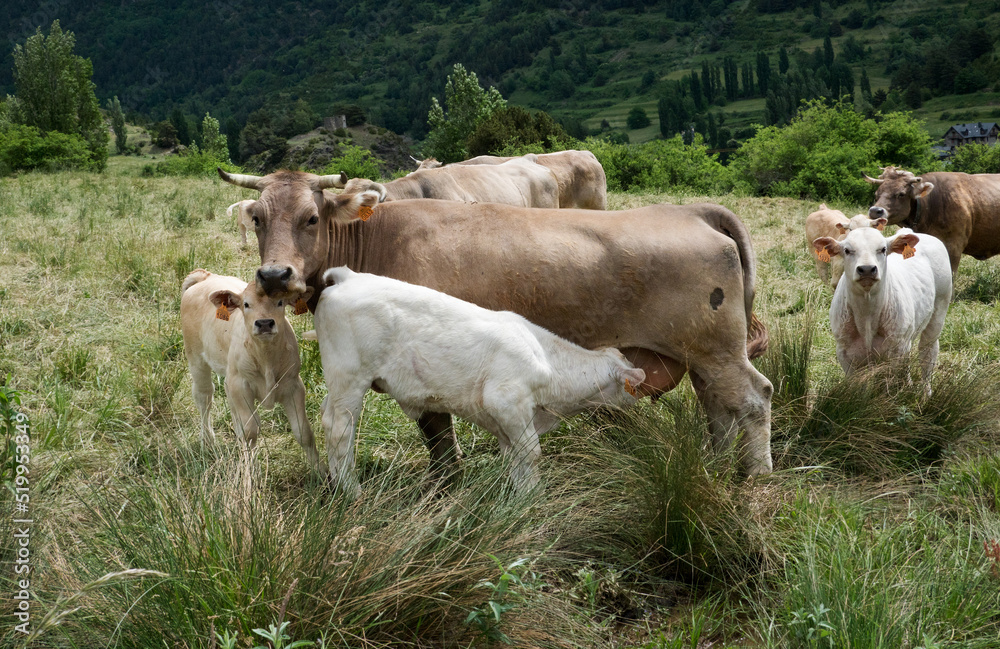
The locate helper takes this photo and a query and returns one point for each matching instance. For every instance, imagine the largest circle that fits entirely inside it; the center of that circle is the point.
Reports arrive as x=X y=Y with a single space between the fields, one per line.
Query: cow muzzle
x=867 y=276
x=875 y=212
x=274 y=279
x=264 y=327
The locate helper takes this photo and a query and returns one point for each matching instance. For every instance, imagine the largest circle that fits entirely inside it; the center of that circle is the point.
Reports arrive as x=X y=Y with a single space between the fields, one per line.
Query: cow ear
x=902 y=242
x=842 y=228
x=924 y=189
x=227 y=299
x=879 y=224
x=826 y=247
x=630 y=378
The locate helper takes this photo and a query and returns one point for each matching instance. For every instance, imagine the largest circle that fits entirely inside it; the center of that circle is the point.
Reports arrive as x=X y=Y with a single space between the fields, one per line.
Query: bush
x=660 y=165
x=822 y=153
x=513 y=128
x=24 y=148
x=356 y=162
x=976 y=159
x=193 y=162
x=637 y=118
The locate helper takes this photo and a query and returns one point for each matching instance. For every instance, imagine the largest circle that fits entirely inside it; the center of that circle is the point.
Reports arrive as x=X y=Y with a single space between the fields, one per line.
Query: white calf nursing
x=435 y=353
x=236 y=330
x=885 y=301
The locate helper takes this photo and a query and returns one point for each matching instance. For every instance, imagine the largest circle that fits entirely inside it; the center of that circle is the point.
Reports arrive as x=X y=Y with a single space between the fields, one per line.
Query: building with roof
x=974 y=133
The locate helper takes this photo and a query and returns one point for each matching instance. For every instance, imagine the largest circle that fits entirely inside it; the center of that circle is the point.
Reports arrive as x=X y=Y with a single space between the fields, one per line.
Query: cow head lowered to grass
x=671 y=286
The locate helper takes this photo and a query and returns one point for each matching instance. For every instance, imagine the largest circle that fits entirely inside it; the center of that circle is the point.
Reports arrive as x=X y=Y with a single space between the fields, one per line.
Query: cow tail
x=733 y=227
x=195 y=276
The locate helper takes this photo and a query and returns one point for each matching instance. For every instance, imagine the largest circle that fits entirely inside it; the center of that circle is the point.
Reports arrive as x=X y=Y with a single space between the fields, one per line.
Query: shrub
x=637 y=118
x=822 y=153
x=25 y=148
x=513 y=127
x=976 y=159
x=660 y=165
x=356 y=162
x=193 y=162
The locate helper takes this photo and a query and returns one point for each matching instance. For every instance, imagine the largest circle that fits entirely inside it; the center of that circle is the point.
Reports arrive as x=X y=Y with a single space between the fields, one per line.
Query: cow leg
x=246 y=422
x=202 y=389
x=736 y=395
x=293 y=399
x=439 y=435
x=340 y=417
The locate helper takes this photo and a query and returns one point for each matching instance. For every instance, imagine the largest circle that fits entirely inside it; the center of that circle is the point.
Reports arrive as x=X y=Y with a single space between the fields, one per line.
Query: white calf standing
x=236 y=330
x=884 y=301
x=435 y=353
x=243 y=218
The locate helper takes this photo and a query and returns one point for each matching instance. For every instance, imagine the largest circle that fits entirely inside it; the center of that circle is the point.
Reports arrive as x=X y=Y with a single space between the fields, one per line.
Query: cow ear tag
x=908 y=251
x=222 y=313
x=823 y=255
x=365 y=212
x=629 y=388
x=300 y=307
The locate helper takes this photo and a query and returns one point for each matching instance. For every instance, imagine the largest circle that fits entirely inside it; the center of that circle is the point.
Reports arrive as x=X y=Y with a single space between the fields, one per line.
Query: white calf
x=243 y=218
x=886 y=301
x=240 y=333
x=834 y=224
x=435 y=353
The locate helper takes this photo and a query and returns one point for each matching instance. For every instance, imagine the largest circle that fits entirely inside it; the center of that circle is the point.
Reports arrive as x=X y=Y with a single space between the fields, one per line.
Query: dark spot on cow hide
x=716 y=298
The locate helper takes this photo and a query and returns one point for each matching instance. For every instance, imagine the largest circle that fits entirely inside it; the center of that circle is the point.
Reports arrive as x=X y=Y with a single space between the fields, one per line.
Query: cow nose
x=867 y=271
x=274 y=279
x=264 y=326
x=877 y=213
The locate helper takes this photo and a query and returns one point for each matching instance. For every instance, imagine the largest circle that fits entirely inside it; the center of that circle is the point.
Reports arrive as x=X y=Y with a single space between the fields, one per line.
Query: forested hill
x=575 y=58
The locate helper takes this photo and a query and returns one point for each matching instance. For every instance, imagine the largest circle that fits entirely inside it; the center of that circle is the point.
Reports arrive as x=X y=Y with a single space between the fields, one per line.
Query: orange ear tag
x=222 y=313
x=365 y=212
x=908 y=251
x=629 y=388
x=300 y=307
x=823 y=255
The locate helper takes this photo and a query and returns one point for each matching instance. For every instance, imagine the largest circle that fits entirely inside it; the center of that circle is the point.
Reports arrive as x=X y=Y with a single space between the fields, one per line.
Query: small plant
x=487 y=616
x=276 y=637
x=811 y=629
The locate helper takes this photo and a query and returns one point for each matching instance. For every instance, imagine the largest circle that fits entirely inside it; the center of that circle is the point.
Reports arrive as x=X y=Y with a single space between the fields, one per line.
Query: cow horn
x=333 y=180
x=874 y=181
x=242 y=180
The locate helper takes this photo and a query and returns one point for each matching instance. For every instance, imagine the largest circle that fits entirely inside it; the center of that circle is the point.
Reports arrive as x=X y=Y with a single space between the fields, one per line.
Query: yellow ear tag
x=629 y=388
x=300 y=307
x=823 y=255
x=365 y=212
x=222 y=313
x=908 y=251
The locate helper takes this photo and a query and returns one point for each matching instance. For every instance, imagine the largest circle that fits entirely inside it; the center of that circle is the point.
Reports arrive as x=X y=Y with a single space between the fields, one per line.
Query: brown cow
x=519 y=182
x=959 y=209
x=825 y=222
x=671 y=286
x=581 y=178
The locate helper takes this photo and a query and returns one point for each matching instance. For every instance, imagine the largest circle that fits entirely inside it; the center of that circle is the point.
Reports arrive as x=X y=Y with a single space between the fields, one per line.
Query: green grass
x=872 y=525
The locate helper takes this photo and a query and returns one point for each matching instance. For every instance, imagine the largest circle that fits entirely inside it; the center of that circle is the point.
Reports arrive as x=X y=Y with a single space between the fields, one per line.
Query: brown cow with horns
x=671 y=286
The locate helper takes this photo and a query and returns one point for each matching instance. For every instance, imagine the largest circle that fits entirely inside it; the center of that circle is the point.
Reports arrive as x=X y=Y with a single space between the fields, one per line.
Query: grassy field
x=877 y=528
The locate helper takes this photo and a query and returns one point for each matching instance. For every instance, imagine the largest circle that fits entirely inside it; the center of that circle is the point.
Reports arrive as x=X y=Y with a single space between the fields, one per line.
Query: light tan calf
x=243 y=218
x=234 y=329
x=834 y=224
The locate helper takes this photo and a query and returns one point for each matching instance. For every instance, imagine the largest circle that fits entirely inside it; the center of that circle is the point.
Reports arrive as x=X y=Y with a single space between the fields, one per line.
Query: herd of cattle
x=498 y=289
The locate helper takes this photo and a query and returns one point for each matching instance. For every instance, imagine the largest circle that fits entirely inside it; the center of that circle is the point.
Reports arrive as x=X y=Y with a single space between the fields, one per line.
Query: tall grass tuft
x=878 y=422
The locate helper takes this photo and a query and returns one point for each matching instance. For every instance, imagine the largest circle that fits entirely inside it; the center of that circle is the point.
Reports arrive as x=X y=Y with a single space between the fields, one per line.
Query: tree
x=647 y=80
x=213 y=143
x=828 y=55
x=763 y=72
x=118 y=125
x=466 y=105
x=55 y=91
x=637 y=118
x=783 y=60
x=866 y=86
x=182 y=126
x=512 y=129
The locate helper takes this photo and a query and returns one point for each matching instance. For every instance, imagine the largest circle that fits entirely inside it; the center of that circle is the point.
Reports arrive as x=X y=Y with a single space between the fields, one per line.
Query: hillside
x=580 y=60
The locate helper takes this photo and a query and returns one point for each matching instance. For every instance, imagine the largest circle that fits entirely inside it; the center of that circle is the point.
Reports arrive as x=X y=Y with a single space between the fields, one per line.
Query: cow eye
x=848 y=251
x=246 y=305
x=882 y=251
x=256 y=222
x=313 y=220
x=281 y=302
